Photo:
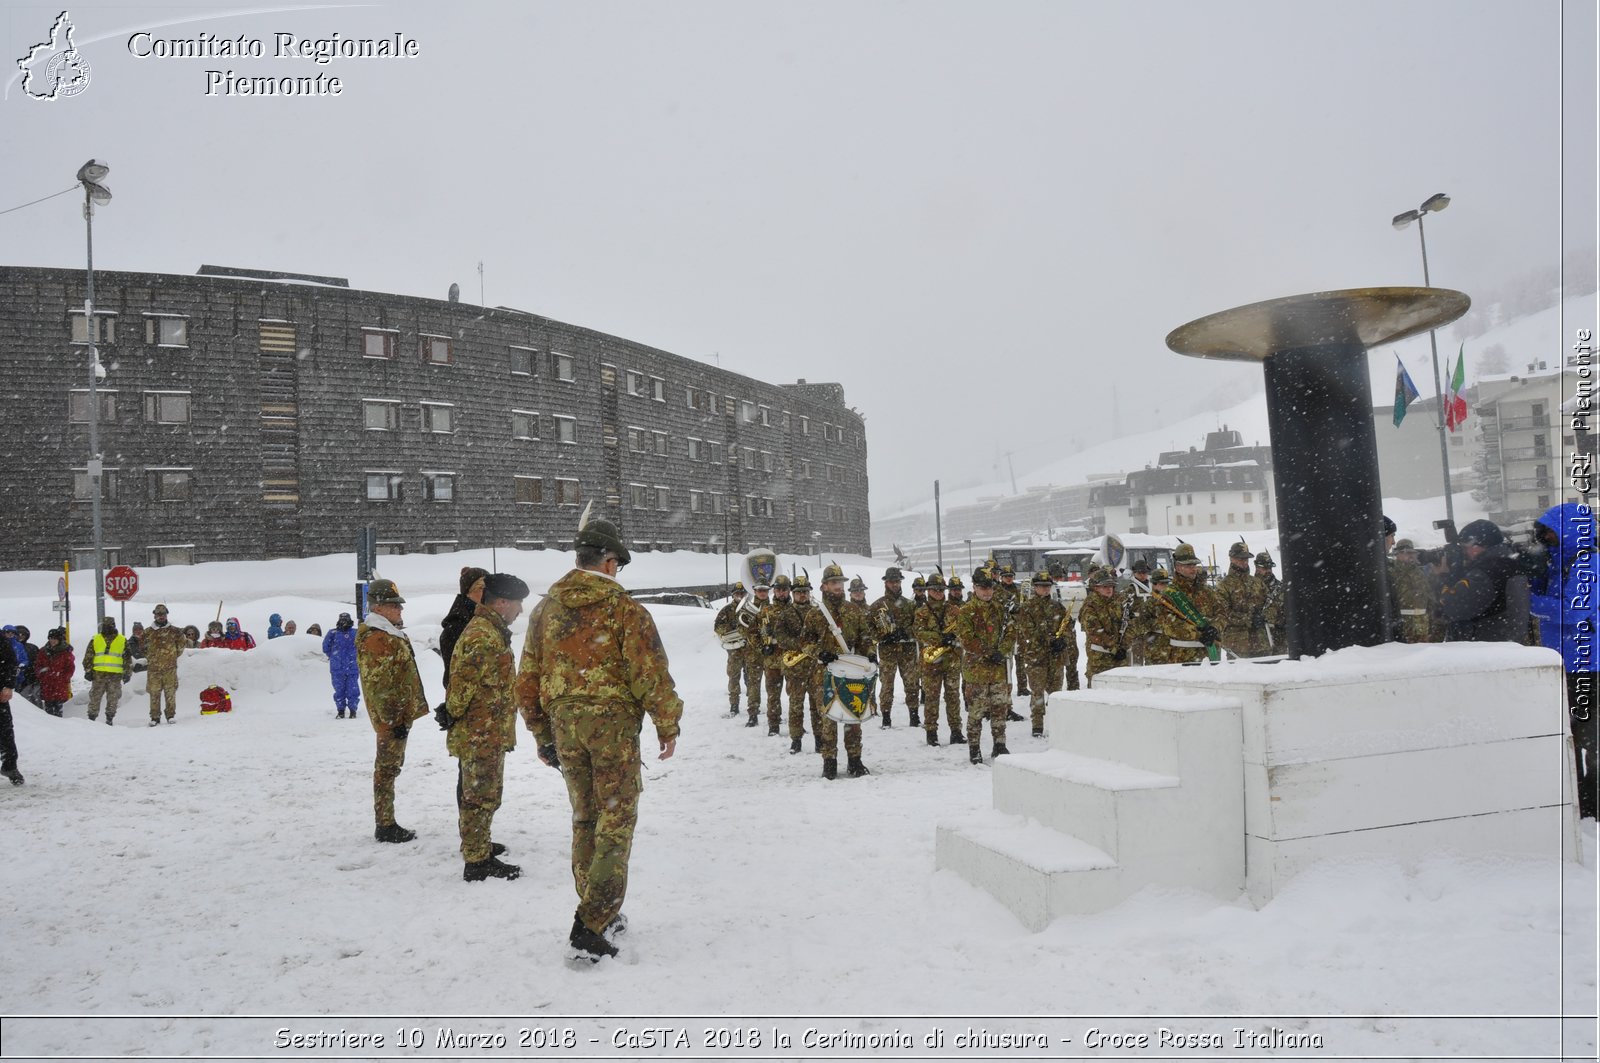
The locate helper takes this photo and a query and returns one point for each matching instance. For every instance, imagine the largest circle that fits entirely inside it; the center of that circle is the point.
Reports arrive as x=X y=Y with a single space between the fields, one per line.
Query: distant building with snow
x=1537 y=447
x=249 y=415
x=1226 y=486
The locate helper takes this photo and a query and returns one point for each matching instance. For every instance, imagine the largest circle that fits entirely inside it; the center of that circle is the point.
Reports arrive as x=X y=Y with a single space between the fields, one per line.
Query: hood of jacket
x=582 y=587
x=1574 y=525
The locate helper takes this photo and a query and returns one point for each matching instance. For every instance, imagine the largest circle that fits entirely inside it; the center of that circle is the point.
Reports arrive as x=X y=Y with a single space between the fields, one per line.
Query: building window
x=747 y=411
x=166 y=407
x=82 y=491
x=764 y=416
x=805 y=469
x=1544 y=502
x=378 y=343
x=1190 y=502
x=640 y=496
x=1177 y=500
x=384 y=486
x=749 y=457
x=566 y=429
x=529 y=490
x=391 y=548
x=105 y=328
x=1213 y=498
x=1538 y=410
x=164 y=331
x=1191 y=520
x=170 y=485
x=439 y=486
x=524 y=424
x=697 y=501
x=635 y=382
x=696 y=450
x=567 y=493
x=663 y=498
x=83 y=558
x=436 y=350
x=522 y=360
x=441 y=546
x=805 y=425
x=1247 y=496
x=172 y=555
x=658 y=389
x=562 y=364
x=438 y=417
x=659 y=440
x=1249 y=518
x=78 y=406
x=380 y=415
x=638 y=440
x=719 y=503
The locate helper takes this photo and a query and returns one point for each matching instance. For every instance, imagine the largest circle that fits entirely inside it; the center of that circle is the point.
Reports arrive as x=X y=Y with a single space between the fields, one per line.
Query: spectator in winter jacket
x=19 y=653
x=289 y=627
x=461 y=611
x=215 y=639
x=315 y=629
x=54 y=668
x=1486 y=598
x=192 y=633
x=274 y=626
x=1563 y=599
x=135 y=651
x=236 y=638
x=8 y=734
x=28 y=679
x=340 y=647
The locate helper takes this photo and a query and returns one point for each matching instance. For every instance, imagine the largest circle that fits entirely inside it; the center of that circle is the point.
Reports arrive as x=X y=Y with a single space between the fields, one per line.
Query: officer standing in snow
x=584 y=699
x=984 y=629
x=1239 y=599
x=393 y=690
x=893 y=618
x=163 y=645
x=481 y=708
x=1101 y=620
x=105 y=664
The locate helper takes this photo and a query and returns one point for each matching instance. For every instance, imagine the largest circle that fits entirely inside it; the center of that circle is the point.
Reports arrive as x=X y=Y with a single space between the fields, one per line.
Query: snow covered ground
x=203 y=879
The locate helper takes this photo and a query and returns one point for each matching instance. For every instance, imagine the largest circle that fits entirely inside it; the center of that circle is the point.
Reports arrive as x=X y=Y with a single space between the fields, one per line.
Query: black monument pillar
x=1313 y=350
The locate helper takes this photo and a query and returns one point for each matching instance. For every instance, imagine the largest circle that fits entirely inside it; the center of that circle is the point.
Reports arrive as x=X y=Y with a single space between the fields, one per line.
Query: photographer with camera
x=1484 y=598
x=1563 y=600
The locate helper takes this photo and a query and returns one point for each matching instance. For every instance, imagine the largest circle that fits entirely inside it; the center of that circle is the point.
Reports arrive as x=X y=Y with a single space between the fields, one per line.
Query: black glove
x=873 y=657
x=442 y=715
x=1120 y=655
x=996 y=658
x=401 y=730
x=1258 y=618
x=827 y=657
x=550 y=756
x=1058 y=645
x=768 y=650
x=947 y=639
x=1210 y=635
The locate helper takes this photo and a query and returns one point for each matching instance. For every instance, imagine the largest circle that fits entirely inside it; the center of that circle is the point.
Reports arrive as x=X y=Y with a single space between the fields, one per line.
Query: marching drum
x=847 y=688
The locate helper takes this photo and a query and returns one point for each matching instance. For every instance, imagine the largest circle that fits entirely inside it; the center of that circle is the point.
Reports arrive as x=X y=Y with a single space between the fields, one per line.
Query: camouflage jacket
x=782 y=623
x=1010 y=596
x=1101 y=621
x=163 y=645
x=817 y=638
x=389 y=680
x=934 y=621
x=1174 y=627
x=1037 y=621
x=984 y=631
x=893 y=619
x=727 y=619
x=480 y=699
x=591 y=647
x=1238 y=597
x=1410 y=583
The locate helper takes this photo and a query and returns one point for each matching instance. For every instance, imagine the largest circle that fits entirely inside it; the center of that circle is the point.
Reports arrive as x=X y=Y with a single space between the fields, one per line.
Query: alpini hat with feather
x=602 y=534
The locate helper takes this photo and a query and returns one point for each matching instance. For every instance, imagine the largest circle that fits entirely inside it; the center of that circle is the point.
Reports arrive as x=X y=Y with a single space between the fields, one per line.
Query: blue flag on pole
x=1404 y=391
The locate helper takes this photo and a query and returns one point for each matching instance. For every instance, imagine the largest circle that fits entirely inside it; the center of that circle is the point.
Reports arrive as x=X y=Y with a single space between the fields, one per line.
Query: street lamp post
x=90 y=174
x=1433 y=205
x=1169 y=520
x=969 y=553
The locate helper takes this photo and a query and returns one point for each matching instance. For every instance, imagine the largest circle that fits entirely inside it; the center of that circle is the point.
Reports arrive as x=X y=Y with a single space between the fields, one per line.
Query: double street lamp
x=90 y=174
x=1433 y=205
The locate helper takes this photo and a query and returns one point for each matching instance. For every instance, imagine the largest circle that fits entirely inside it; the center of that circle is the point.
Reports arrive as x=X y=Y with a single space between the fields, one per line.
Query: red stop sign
x=122 y=583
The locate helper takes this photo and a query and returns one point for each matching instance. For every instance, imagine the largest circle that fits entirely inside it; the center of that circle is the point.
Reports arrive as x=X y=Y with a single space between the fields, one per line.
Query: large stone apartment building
x=244 y=415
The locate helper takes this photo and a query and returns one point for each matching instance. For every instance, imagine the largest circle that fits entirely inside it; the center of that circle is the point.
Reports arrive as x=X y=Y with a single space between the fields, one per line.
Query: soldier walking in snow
x=393 y=690
x=163 y=645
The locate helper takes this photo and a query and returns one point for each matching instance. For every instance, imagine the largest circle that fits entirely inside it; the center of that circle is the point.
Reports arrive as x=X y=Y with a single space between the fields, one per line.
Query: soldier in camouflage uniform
x=768 y=623
x=1101 y=619
x=163 y=645
x=1041 y=647
x=956 y=590
x=481 y=709
x=1009 y=594
x=1239 y=604
x=919 y=592
x=1182 y=640
x=592 y=667
x=801 y=672
x=894 y=621
x=1138 y=615
x=1271 y=635
x=1411 y=588
x=393 y=690
x=858 y=591
x=987 y=640
x=818 y=640
x=740 y=667
x=934 y=626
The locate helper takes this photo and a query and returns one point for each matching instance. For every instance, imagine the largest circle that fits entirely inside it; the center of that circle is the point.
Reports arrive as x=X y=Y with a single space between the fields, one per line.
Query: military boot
x=772 y=729
x=975 y=754
x=479 y=870
x=733 y=710
x=999 y=750
x=751 y=722
x=830 y=768
x=587 y=945
x=394 y=832
x=1038 y=732
x=915 y=720
x=794 y=744
x=933 y=738
x=956 y=737
x=886 y=718
x=496 y=849
x=855 y=769
x=10 y=772
x=616 y=928
x=1012 y=716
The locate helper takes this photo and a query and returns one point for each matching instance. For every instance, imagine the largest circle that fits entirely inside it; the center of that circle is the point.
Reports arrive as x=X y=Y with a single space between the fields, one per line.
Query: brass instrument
x=794 y=658
x=934 y=654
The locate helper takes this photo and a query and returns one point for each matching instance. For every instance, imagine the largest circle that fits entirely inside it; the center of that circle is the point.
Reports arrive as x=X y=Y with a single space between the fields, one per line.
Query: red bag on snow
x=214 y=700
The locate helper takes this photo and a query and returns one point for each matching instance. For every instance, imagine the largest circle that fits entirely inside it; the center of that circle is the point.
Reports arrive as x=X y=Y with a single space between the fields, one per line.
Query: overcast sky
x=981 y=218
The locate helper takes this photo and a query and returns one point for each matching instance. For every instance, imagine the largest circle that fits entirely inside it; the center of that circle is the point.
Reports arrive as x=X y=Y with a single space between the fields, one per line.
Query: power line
x=52 y=195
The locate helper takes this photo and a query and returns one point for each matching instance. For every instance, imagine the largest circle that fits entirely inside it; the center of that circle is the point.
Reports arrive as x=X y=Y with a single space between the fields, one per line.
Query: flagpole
x=1438 y=387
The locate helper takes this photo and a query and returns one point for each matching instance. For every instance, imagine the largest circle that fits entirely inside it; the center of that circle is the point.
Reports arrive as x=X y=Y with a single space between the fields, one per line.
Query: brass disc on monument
x=1369 y=317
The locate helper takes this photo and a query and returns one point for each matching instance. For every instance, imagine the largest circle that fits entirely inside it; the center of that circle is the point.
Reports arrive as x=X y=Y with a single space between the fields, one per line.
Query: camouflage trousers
x=1100 y=662
x=385 y=770
x=480 y=780
x=828 y=738
x=599 y=748
x=106 y=686
x=805 y=683
x=742 y=669
x=987 y=701
x=1044 y=679
x=772 y=676
x=903 y=659
x=164 y=681
x=934 y=680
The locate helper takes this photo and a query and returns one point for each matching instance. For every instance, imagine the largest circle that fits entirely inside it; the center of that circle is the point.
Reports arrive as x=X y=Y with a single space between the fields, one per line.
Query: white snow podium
x=1232 y=778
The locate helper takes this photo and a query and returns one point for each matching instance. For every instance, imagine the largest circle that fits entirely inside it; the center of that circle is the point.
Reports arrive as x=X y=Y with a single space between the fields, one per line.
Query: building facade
x=246 y=417
x=1227 y=486
x=1532 y=437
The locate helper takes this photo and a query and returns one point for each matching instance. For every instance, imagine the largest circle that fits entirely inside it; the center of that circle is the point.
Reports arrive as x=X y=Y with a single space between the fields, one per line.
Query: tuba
x=758 y=566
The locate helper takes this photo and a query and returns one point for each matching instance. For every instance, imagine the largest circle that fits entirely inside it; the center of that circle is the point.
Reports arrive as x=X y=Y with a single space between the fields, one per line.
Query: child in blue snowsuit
x=340 y=646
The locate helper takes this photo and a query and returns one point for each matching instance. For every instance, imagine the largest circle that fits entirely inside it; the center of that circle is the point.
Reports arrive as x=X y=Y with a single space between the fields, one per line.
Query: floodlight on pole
x=90 y=174
x=1432 y=205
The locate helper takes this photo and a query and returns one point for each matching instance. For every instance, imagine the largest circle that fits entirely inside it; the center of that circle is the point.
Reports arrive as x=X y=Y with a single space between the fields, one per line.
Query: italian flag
x=1455 y=409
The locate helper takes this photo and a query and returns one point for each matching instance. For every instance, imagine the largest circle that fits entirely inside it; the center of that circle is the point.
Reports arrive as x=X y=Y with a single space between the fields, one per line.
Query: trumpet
x=793 y=658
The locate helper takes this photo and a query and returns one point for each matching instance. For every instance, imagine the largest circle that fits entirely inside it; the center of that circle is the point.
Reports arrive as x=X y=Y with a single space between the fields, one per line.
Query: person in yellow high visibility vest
x=104 y=665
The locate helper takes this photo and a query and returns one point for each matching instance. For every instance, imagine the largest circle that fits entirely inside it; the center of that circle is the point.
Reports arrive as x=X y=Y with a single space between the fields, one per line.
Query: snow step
x=1037 y=873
